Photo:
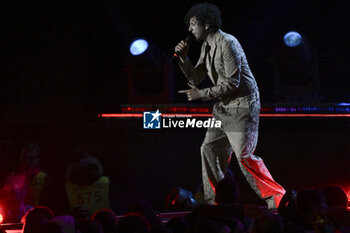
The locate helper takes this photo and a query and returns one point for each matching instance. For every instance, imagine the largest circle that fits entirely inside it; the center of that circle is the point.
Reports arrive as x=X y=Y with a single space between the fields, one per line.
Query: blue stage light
x=343 y=104
x=138 y=47
x=292 y=39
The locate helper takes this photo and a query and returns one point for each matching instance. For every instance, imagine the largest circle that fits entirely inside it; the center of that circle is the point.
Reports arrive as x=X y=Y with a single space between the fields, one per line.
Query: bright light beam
x=138 y=47
x=292 y=39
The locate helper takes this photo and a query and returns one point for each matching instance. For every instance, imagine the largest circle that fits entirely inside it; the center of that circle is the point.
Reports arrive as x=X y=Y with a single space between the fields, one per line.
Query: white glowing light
x=138 y=47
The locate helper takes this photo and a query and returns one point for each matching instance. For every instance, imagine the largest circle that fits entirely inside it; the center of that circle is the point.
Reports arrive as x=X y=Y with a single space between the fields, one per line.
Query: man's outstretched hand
x=192 y=94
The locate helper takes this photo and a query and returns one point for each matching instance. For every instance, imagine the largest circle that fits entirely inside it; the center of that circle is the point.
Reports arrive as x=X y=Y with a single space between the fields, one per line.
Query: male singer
x=223 y=60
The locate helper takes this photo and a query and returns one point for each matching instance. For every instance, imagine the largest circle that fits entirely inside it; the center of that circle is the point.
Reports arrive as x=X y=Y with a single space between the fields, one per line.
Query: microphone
x=188 y=40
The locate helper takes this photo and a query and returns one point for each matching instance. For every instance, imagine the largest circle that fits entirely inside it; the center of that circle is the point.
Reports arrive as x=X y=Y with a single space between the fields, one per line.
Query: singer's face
x=199 y=31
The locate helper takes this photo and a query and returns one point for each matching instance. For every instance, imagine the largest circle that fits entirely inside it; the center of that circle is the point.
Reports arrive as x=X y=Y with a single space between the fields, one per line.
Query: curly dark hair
x=205 y=13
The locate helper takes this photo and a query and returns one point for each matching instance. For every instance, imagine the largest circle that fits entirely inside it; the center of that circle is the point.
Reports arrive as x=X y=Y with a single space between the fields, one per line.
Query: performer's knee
x=206 y=148
x=203 y=149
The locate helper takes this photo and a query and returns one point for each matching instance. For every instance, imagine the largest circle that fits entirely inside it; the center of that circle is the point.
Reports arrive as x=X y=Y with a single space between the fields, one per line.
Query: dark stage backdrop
x=69 y=57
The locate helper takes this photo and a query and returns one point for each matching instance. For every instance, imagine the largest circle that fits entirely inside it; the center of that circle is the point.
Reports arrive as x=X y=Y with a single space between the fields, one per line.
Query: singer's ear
x=207 y=27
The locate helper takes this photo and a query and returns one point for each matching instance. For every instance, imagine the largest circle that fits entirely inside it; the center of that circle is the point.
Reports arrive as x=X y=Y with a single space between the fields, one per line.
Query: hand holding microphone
x=181 y=49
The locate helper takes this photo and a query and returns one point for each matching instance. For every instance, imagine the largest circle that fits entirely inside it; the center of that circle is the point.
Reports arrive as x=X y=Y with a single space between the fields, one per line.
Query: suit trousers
x=238 y=135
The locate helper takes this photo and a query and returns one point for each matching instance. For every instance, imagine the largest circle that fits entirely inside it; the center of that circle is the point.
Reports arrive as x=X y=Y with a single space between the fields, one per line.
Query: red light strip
x=135 y=115
x=120 y=115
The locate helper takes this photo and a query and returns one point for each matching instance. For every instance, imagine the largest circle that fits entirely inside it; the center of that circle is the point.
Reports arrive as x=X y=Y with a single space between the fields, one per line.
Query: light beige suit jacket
x=227 y=67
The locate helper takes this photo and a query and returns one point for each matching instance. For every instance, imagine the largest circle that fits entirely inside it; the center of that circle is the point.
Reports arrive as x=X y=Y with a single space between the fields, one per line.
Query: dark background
x=69 y=56
x=63 y=62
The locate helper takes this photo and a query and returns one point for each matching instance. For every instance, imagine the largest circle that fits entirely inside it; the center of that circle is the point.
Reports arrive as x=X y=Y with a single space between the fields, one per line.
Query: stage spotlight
x=292 y=39
x=296 y=75
x=180 y=200
x=150 y=74
x=138 y=47
x=343 y=104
